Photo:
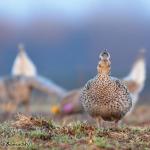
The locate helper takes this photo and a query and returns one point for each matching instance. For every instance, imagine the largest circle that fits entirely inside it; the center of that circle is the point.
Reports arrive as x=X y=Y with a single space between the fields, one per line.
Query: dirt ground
x=78 y=131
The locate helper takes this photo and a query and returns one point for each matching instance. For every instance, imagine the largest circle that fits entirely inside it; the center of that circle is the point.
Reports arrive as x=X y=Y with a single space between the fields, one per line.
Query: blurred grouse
x=23 y=65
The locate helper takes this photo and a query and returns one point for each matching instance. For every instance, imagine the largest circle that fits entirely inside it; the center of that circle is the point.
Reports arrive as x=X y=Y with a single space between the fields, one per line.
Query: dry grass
x=34 y=132
x=28 y=122
x=37 y=133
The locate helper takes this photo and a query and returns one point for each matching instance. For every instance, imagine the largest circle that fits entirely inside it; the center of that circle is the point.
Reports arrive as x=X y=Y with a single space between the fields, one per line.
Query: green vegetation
x=77 y=135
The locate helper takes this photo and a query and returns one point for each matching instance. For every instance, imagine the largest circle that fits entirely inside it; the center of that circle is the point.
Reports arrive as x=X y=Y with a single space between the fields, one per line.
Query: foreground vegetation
x=36 y=133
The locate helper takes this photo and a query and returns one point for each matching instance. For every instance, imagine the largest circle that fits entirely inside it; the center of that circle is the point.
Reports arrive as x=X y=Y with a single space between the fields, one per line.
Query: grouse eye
x=104 y=55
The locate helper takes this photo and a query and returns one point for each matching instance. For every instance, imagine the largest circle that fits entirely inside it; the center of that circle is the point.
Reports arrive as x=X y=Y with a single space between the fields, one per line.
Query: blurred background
x=64 y=38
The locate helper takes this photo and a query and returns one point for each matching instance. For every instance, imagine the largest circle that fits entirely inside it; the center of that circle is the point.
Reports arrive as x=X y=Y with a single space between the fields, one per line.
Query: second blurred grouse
x=105 y=97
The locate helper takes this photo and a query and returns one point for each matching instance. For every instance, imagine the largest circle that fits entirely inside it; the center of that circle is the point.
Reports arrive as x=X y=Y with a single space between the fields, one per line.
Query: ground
x=76 y=132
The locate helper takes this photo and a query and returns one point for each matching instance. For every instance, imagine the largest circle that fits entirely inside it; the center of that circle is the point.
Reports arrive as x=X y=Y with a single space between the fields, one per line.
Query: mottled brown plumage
x=104 y=96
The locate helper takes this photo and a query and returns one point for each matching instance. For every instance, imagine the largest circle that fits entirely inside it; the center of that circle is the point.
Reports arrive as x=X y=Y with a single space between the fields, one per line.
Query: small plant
x=137 y=130
x=32 y=146
x=63 y=139
x=6 y=130
x=39 y=134
x=101 y=142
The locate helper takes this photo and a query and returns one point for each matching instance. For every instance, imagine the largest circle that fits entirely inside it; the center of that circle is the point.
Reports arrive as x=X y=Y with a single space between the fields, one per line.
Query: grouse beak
x=104 y=55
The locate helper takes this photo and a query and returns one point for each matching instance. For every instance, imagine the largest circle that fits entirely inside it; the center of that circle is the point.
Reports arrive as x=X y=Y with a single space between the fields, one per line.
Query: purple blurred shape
x=68 y=108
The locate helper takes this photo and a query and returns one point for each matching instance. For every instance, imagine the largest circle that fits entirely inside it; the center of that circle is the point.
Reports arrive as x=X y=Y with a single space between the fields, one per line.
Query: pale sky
x=71 y=9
